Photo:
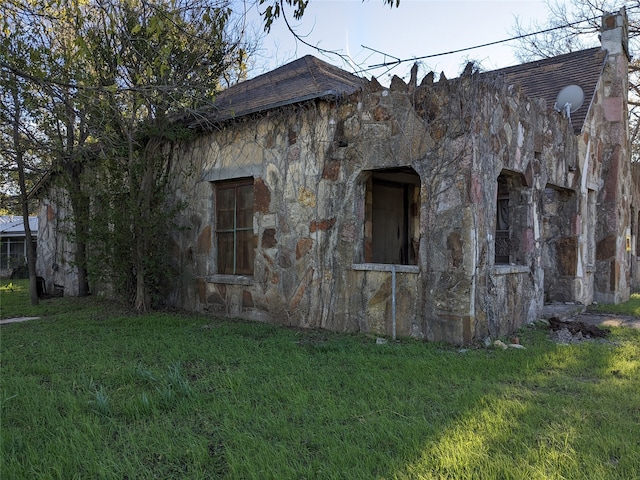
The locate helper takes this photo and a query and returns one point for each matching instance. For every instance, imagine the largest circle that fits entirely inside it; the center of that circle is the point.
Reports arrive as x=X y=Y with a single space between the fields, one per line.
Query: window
x=13 y=252
x=392 y=217
x=234 y=227
x=513 y=231
x=503 y=230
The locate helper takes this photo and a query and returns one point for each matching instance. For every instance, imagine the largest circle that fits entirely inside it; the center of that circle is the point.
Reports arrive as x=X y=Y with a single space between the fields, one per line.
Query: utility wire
x=519 y=37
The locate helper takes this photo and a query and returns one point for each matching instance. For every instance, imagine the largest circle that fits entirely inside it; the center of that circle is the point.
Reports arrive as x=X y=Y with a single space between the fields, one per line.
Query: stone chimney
x=614 y=36
x=613 y=262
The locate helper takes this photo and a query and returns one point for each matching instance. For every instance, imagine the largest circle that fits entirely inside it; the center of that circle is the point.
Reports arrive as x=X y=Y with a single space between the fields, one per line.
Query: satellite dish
x=569 y=99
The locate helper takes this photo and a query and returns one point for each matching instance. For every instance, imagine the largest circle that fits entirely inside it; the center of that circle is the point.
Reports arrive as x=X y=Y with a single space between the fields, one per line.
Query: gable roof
x=303 y=79
x=545 y=78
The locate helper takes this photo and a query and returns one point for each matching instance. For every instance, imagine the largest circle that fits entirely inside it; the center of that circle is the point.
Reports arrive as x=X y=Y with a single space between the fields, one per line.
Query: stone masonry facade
x=446 y=211
x=317 y=168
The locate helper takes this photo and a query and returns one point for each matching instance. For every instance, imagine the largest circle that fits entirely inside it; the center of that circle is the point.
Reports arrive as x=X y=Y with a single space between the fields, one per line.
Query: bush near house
x=93 y=391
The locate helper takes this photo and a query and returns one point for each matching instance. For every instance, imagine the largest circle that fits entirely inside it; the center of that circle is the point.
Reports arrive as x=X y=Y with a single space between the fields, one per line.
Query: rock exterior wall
x=312 y=167
x=56 y=252
x=607 y=139
x=634 y=243
x=448 y=211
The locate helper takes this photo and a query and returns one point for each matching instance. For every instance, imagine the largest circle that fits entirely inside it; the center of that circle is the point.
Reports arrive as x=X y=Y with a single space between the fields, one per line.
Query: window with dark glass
x=234 y=227
x=503 y=230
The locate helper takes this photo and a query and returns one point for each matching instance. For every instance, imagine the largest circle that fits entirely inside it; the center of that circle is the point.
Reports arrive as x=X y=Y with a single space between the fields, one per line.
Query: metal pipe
x=393 y=302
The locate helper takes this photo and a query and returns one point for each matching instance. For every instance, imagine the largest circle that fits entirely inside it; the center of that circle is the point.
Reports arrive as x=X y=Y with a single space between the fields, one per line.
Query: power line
x=398 y=61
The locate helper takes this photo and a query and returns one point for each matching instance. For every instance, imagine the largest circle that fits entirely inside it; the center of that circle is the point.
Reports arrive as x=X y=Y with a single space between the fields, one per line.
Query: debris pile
x=572 y=332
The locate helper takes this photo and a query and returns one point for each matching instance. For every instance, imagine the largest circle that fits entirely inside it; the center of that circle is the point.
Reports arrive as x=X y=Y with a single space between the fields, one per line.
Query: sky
x=371 y=33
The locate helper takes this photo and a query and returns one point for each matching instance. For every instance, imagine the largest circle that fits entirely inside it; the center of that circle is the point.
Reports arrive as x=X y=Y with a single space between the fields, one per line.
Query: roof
x=303 y=79
x=309 y=78
x=13 y=226
x=545 y=78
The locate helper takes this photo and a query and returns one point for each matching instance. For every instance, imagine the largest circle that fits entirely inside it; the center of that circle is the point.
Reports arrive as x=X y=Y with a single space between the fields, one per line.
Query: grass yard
x=92 y=391
x=631 y=307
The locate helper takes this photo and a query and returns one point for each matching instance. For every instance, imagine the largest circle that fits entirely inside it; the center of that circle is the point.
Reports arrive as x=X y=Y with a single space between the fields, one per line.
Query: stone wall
x=446 y=211
x=607 y=143
x=56 y=258
x=312 y=165
x=634 y=237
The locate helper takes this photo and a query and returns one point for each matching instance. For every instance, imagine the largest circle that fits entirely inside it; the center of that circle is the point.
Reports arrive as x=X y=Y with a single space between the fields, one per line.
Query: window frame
x=503 y=248
x=515 y=196
x=408 y=183
x=238 y=246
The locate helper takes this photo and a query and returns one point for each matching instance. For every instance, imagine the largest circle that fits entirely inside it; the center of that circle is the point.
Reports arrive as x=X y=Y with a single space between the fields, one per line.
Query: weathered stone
x=567 y=252
x=201 y=289
x=306 y=197
x=204 y=240
x=261 y=196
x=293 y=136
x=247 y=299
x=397 y=84
x=322 y=225
x=302 y=288
x=303 y=247
x=269 y=238
x=380 y=114
x=454 y=245
x=375 y=85
x=331 y=170
x=428 y=79
x=606 y=248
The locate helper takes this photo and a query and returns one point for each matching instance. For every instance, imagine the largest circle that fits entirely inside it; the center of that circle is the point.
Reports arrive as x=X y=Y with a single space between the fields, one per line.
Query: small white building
x=13 y=245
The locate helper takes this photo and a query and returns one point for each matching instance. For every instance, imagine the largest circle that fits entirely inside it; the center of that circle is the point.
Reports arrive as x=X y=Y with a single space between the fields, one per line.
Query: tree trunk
x=142 y=302
x=19 y=157
x=79 y=201
x=146 y=193
x=80 y=207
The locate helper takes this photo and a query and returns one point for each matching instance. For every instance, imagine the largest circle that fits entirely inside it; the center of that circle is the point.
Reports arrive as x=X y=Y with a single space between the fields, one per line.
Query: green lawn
x=91 y=391
x=631 y=307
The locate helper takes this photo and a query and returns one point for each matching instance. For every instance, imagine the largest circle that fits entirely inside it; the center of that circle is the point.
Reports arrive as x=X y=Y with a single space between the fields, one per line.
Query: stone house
x=448 y=211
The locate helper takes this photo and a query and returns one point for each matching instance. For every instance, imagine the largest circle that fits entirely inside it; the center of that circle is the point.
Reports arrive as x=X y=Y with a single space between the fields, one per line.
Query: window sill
x=230 y=279
x=509 y=269
x=385 y=267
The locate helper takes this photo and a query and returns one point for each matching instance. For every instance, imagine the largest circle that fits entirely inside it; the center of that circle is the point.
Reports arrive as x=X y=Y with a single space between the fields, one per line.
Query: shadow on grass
x=570 y=413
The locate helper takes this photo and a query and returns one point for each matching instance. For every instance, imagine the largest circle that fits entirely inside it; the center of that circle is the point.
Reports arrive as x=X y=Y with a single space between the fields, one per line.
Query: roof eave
x=580 y=130
x=327 y=94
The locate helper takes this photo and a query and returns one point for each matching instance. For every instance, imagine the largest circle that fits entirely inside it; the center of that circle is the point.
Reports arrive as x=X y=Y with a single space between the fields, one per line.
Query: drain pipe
x=393 y=269
x=393 y=302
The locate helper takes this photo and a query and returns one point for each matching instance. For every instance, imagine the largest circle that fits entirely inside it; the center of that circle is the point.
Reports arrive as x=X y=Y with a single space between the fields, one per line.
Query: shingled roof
x=545 y=78
x=309 y=78
x=303 y=79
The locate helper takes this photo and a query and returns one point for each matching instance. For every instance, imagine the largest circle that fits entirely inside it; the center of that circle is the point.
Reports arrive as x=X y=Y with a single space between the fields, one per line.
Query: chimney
x=614 y=35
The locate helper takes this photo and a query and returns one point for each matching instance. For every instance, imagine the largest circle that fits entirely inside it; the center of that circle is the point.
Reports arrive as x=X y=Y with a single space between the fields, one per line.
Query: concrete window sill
x=385 y=267
x=230 y=279
x=510 y=269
